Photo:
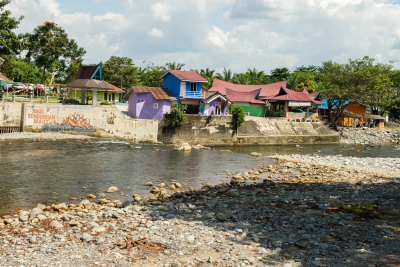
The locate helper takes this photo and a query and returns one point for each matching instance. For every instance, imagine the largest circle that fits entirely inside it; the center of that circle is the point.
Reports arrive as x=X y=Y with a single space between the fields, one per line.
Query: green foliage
x=308 y=85
x=226 y=75
x=280 y=74
x=359 y=210
x=237 y=116
x=121 y=72
x=105 y=103
x=174 y=66
x=10 y=43
x=209 y=75
x=51 y=48
x=150 y=75
x=177 y=116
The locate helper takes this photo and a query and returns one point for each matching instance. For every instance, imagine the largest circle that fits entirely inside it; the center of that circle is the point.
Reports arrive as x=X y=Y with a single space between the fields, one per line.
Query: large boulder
x=112 y=189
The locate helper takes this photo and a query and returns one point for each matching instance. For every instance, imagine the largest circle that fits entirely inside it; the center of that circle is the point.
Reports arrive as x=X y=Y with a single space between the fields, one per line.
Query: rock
x=209 y=260
x=74 y=224
x=127 y=203
x=91 y=225
x=186 y=148
x=23 y=217
x=8 y=221
x=41 y=217
x=35 y=212
x=87 y=237
x=64 y=218
x=162 y=185
x=190 y=238
x=32 y=239
x=220 y=217
x=172 y=187
x=101 y=195
x=91 y=196
x=55 y=224
x=98 y=229
x=175 y=264
x=143 y=202
x=177 y=185
x=255 y=154
x=41 y=206
x=148 y=184
x=112 y=189
x=103 y=201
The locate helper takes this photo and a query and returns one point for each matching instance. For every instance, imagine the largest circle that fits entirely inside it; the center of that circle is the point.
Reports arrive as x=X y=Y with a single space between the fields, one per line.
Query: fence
x=31 y=98
x=10 y=129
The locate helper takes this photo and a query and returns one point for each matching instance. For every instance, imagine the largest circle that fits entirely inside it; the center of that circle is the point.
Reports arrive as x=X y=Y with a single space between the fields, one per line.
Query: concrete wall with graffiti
x=66 y=118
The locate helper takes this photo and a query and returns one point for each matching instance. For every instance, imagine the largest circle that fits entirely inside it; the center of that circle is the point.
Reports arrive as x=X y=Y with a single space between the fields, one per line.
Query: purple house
x=149 y=103
x=214 y=104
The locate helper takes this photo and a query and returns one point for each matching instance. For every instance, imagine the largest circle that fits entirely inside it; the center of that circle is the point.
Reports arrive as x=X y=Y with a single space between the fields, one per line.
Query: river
x=50 y=172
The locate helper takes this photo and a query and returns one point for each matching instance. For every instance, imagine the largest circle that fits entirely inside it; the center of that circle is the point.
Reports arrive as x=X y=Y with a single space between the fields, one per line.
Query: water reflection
x=52 y=172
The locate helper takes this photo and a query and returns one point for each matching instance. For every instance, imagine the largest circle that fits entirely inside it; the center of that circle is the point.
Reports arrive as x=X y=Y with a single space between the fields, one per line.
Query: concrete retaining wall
x=218 y=130
x=37 y=117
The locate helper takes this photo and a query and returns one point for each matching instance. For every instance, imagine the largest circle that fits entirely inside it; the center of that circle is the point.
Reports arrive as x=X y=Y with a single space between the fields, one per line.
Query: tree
x=255 y=76
x=209 y=75
x=241 y=78
x=340 y=84
x=10 y=43
x=380 y=94
x=150 y=75
x=237 y=117
x=308 y=85
x=280 y=74
x=174 y=66
x=51 y=48
x=121 y=71
x=225 y=76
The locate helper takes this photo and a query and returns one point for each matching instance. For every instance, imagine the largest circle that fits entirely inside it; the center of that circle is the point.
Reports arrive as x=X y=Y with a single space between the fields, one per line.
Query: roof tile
x=157 y=92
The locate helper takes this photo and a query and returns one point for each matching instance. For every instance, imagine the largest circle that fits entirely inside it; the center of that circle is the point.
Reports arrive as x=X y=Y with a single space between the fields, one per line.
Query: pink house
x=149 y=103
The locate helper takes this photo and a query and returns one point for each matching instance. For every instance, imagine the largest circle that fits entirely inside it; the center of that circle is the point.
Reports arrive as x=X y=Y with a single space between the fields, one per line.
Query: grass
x=392 y=128
x=389 y=197
x=359 y=210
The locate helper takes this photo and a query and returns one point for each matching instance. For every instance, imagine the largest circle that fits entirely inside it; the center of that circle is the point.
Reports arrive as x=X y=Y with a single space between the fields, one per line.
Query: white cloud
x=218 y=37
x=156 y=32
x=161 y=11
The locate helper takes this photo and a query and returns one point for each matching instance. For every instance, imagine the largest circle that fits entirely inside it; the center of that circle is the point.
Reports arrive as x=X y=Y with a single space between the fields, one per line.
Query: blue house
x=186 y=87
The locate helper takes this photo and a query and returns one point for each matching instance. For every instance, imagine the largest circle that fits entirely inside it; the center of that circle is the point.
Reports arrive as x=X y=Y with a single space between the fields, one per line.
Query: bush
x=396 y=121
x=237 y=116
x=105 y=103
x=177 y=116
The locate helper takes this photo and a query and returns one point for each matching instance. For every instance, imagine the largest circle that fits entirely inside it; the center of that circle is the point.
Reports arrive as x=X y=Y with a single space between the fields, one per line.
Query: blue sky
x=236 y=34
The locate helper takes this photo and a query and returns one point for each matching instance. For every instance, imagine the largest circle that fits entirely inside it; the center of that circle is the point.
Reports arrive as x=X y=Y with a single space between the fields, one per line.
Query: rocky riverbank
x=302 y=215
x=388 y=167
x=41 y=136
x=369 y=136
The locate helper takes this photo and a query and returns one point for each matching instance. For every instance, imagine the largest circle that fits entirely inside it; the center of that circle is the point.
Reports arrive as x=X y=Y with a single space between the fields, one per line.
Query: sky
x=217 y=34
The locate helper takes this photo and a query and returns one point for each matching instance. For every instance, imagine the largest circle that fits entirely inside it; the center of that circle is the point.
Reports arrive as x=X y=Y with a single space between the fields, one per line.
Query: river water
x=51 y=172
x=346 y=150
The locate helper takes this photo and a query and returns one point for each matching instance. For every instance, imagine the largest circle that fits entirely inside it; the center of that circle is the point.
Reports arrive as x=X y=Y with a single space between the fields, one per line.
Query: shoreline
x=230 y=224
x=43 y=136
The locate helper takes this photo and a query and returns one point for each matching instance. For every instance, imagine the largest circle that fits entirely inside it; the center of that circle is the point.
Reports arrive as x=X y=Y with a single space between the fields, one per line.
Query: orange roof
x=186 y=75
x=157 y=92
x=5 y=78
x=271 y=89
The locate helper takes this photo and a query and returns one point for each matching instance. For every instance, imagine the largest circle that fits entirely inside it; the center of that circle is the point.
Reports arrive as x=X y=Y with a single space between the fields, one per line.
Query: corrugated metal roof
x=241 y=96
x=186 y=75
x=271 y=89
x=5 y=78
x=157 y=92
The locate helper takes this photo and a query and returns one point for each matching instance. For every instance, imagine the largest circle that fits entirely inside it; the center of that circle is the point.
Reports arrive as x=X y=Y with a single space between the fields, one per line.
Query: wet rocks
x=255 y=154
x=112 y=189
x=369 y=136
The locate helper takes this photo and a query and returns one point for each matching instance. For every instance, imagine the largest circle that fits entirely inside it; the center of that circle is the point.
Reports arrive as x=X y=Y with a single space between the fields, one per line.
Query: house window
x=155 y=105
x=193 y=87
x=218 y=108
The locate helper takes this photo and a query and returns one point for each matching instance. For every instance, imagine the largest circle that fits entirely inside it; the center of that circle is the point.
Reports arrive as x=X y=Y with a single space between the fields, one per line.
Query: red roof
x=290 y=96
x=186 y=75
x=157 y=92
x=242 y=96
x=5 y=78
x=271 y=89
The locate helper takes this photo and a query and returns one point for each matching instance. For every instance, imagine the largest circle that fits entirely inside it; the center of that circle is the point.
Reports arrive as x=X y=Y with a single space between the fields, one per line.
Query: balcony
x=192 y=94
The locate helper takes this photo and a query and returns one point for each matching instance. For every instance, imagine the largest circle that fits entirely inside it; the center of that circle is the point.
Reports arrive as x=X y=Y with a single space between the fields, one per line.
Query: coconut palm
x=174 y=66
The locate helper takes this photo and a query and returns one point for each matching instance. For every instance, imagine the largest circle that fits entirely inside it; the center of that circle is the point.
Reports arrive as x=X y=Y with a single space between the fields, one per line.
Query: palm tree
x=256 y=77
x=241 y=78
x=209 y=75
x=174 y=66
x=226 y=75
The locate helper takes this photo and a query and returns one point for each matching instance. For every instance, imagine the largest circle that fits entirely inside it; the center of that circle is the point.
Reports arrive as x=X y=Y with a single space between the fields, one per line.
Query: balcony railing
x=192 y=94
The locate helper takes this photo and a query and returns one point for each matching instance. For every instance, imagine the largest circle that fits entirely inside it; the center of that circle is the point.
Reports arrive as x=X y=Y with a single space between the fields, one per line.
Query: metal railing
x=30 y=98
x=192 y=94
x=9 y=129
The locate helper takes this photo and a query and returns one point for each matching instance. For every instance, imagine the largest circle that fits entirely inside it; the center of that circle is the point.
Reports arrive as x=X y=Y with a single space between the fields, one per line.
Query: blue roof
x=326 y=103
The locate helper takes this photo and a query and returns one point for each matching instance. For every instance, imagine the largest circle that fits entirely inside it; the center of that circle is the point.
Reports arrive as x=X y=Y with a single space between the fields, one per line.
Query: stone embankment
x=381 y=166
x=41 y=136
x=369 y=136
x=291 y=218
